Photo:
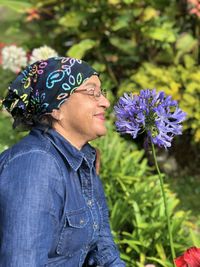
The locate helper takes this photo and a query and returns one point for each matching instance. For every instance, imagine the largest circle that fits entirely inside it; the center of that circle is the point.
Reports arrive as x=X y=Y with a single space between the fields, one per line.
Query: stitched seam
x=37 y=151
x=41 y=152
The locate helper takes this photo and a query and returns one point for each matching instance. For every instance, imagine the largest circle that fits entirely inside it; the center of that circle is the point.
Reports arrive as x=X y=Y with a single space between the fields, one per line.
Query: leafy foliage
x=134 y=44
x=16 y=5
x=182 y=83
x=8 y=136
x=136 y=207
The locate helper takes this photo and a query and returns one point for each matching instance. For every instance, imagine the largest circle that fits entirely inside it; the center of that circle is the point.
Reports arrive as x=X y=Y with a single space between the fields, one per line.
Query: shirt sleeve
x=26 y=210
x=105 y=253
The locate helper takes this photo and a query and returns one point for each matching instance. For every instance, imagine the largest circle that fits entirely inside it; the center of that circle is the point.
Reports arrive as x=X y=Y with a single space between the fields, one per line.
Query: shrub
x=136 y=207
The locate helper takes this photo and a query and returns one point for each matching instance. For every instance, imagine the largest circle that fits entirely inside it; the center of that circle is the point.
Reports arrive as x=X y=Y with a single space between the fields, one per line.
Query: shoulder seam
x=36 y=150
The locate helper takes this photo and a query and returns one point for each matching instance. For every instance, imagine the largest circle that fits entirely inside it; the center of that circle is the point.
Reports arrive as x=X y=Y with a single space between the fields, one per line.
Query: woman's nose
x=104 y=101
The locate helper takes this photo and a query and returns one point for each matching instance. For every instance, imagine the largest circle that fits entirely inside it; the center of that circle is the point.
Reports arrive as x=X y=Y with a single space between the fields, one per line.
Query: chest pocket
x=75 y=232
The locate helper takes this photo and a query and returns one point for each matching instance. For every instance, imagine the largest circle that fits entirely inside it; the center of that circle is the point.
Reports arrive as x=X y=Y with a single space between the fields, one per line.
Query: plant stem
x=165 y=203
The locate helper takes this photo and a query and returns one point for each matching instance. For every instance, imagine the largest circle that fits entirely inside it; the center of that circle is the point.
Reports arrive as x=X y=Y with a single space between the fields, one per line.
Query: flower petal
x=180 y=262
x=192 y=257
x=153 y=112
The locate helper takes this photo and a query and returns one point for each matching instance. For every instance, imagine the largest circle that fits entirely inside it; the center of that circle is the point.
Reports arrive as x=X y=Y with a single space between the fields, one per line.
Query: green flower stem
x=165 y=203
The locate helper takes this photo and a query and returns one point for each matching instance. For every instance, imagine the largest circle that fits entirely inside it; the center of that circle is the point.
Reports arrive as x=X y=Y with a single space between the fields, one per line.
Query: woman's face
x=82 y=117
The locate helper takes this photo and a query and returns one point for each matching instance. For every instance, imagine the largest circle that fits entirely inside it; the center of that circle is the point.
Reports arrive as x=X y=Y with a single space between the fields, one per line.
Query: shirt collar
x=70 y=152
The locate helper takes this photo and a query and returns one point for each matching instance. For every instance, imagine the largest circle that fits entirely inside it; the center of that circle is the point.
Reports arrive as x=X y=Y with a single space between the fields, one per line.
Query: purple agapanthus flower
x=155 y=113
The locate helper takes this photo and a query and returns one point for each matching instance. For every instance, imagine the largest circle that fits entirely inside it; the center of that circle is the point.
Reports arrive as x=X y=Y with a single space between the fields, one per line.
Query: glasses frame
x=96 y=95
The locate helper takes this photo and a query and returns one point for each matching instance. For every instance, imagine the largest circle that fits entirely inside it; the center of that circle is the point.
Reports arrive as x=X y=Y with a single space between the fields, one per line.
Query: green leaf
x=113 y=2
x=100 y=67
x=189 y=61
x=121 y=23
x=17 y=5
x=132 y=243
x=161 y=262
x=163 y=33
x=190 y=99
x=161 y=251
x=149 y=13
x=72 y=19
x=80 y=49
x=6 y=140
x=126 y=45
x=128 y=1
x=138 y=215
x=186 y=42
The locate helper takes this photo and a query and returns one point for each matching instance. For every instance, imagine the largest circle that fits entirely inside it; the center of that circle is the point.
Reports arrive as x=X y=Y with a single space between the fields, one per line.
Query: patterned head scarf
x=45 y=85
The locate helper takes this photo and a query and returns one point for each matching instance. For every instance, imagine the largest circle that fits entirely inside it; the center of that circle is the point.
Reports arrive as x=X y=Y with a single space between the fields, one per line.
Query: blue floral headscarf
x=45 y=85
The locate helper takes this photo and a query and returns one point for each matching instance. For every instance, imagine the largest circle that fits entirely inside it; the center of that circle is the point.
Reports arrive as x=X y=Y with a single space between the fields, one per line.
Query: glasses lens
x=92 y=92
x=103 y=92
x=97 y=95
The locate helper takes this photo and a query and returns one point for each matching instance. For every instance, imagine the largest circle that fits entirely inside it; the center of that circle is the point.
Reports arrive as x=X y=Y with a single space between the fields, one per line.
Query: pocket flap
x=77 y=218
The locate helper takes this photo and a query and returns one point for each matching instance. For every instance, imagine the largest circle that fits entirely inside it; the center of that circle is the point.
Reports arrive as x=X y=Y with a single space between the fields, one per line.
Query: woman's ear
x=56 y=114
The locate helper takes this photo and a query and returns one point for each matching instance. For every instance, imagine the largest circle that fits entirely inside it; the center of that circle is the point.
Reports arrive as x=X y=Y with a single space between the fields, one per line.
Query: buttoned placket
x=88 y=195
x=87 y=190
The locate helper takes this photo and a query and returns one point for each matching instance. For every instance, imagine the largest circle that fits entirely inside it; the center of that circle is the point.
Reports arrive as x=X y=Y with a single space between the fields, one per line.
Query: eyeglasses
x=92 y=92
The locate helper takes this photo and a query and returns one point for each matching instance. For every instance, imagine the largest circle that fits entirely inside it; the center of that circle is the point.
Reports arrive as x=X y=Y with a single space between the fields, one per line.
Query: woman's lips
x=100 y=116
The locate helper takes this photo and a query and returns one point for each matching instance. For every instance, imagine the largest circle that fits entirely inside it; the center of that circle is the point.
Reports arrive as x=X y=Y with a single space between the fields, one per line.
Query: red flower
x=191 y=258
x=32 y=14
x=194 y=7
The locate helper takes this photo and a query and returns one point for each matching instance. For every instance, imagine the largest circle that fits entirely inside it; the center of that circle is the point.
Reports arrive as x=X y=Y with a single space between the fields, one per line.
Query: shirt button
x=95 y=226
x=81 y=221
x=89 y=203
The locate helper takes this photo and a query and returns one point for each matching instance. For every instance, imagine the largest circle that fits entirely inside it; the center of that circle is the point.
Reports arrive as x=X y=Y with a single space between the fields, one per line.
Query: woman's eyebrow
x=91 y=84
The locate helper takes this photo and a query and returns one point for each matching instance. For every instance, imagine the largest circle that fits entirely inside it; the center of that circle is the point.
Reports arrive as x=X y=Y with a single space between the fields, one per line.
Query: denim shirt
x=53 y=210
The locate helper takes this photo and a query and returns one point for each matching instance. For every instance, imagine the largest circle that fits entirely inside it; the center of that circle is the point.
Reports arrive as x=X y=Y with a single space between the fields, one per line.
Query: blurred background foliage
x=136 y=207
x=134 y=44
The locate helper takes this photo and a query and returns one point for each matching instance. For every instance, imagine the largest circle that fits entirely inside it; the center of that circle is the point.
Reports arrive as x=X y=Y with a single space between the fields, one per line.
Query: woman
x=52 y=205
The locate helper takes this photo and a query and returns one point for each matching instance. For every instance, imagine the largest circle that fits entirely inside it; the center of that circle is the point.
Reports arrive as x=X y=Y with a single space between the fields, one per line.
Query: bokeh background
x=134 y=44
